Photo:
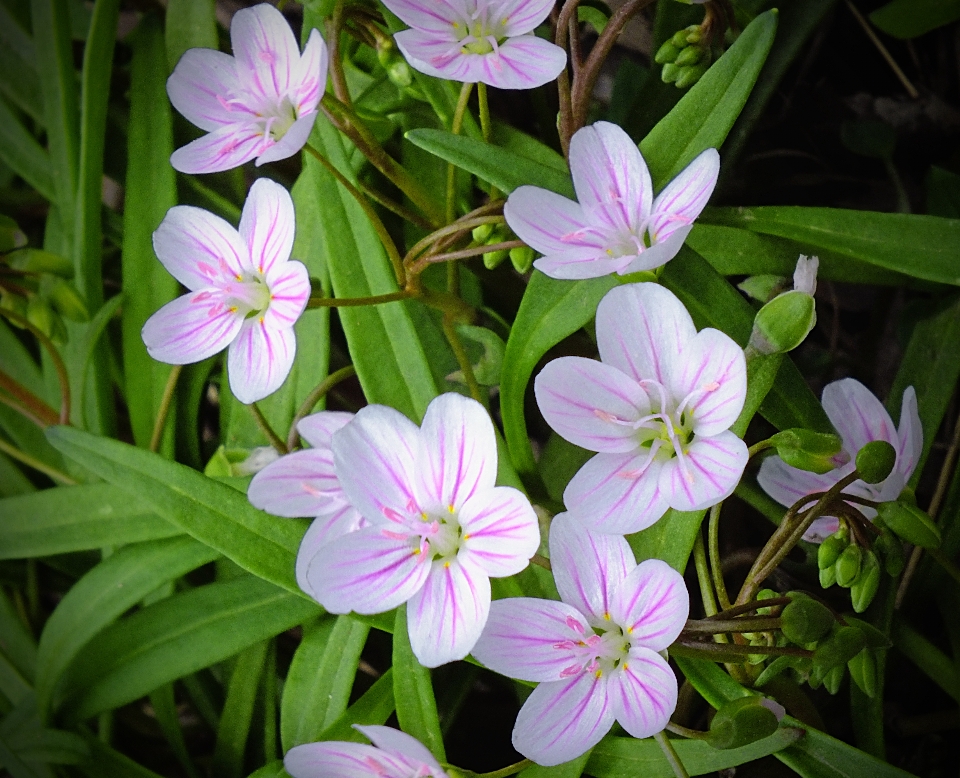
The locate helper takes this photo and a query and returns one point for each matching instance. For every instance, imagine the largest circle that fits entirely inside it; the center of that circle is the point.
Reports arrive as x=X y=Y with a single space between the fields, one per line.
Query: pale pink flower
x=245 y=292
x=440 y=527
x=261 y=102
x=596 y=653
x=617 y=226
x=394 y=754
x=488 y=41
x=305 y=483
x=658 y=407
x=860 y=418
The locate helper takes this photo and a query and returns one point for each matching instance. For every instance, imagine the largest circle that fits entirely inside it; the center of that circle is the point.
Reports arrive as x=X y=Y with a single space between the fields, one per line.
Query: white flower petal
x=787 y=484
x=643 y=693
x=427 y=15
x=522 y=16
x=652 y=604
x=294 y=139
x=318 y=428
x=708 y=472
x=324 y=529
x=659 y=253
x=336 y=759
x=191 y=328
x=200 y=86
x=682 y=200
x=267 y=225
x=393 y=740
x=858 y=415
x=199 y=249
x=222 y=149
x=910 y=434
x=522 y=62
x=552 y=224
x=299 y=484
x=311 y=76
x=500 y=531
x=265 y=47
x=260 y=359
x=580 y=264
x=712 y=374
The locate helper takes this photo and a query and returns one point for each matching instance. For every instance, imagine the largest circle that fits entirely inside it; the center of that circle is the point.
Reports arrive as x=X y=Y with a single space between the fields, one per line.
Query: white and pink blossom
x=260 y=103
x=596 y=655
x=617 y=226
x=394 y=754
x=439 y=529
x=305 y=483
x=485 y=41
x=245 y=292
x=657 y=408
x=860 y=418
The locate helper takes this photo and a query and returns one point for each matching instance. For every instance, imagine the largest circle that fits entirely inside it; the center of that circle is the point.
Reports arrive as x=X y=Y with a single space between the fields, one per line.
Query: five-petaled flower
x=595 y=654
x=658 y=407
x=860 y=418
x=305 y=483
x=486 y=41
x=394 y=754
x=260 y=103
x=440 y=528
x=617 y=225
x=245 y=292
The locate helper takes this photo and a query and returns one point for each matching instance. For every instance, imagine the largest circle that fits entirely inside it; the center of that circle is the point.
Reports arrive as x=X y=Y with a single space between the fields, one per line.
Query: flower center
x=280 y=120
x=600 y=652
x=444 y=535
x=249 y=295
x=479 y=34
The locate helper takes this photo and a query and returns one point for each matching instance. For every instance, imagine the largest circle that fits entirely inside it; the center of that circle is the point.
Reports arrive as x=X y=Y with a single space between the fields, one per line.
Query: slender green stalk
x=36 y=464
x=485 y=125
x=353 y=302
x=703 y=577
x=671 y=755
x=164 y=411
x=713 y=544
x=458 y=115
x=686 y=732
x=509 y=770
x=568 y=13
x=453 y=337
x=314 y=397
x=275 y=440
x=26 y=412
x=461 y=226
x=474 y=251
x=713 y=626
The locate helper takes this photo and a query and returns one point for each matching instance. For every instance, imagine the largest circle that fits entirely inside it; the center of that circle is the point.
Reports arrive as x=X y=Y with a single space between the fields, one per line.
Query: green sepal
x=805 y=620
x=741 y=722
x=910 y=523
x=832 y=547
x=863 y=671
x=848 y=564
x=808 y=450
x=865 y=587
x=875 y=461
x=783 y=323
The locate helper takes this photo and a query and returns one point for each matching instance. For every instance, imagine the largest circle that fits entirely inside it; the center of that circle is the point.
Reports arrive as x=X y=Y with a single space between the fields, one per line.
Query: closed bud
x=910 y=523
x=40 y=315
x=875 y=461
x=689 y=56
x=670 y=73
x=832 y=547
x=805 y=620
x=864 y=588
x=783 y=323
x=667 y=53
x=11 y=236
x=493 y=258
x=848 y=565
x=863 y=671
x=817 y=452
x=833 y=679
x=694 y=34
x=38 y=261
x=481 y=233
x=679 y=38
x=398 y=71
x=67 y=301
x=522 y=258
x=690 y=74
x=840 y=648
x=741 y=722
x=828 y=577
x=889 y=549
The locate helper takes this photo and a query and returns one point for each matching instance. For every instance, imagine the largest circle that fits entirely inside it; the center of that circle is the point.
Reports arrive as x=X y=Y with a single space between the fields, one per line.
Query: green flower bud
x=863 y=671
x=910 y=523
x=779 y=665
x=840 y=648
x=689 y=56
x=679 y=38
x=741 y=722
x=522 y=258
x=398 y=71
x=670 y=73
x=481 y=233
x=783 y=323
x=805 y=620
x=11 y=236
x=37 y=261
x=67 y=301
x=874 y=637
x=828 y=577
x=848 y=565
x=690 y=74
x=808 y=450
x=864 y=588
x=40 y=314
x=832 y=547
x=493 y=258
x=889 y=549
x=13 y=302
x=833 y=679
x=667 y=53
x=694 y=34
x=875 y=460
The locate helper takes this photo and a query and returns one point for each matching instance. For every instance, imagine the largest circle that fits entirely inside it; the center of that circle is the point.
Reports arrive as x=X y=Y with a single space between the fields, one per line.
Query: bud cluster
x=521 y=257
x=685 y=57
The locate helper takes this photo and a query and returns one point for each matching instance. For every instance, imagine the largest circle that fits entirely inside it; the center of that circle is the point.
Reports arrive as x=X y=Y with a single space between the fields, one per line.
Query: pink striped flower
x=488 y=41
x=860 y=418
x=439 y=526
x=596 y=653
x=261 y=102
x=617 y=226
x=245 y=292
x=305 y=483
x=657 y=408
x=394 y=754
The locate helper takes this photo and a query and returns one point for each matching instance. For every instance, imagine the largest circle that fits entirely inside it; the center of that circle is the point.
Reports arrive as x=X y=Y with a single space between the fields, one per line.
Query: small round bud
x=493 y=258
x=828 y=577
x=833 y=679
x=865 y=586
x=910 y=523
x=889 y=548
x=679 y=39
x=690 y=74
x=522 y=258
x=832 y=547
x=783 y=323
x=863 y=671
x=741 y=722
x=805 y=620
x=67 y=301
x=818 y=452
x=481 y=233
x=670 y=73
x=875 y=461
x=40 y=314
x=689 y=56
x=667 y=53
x=848 y=565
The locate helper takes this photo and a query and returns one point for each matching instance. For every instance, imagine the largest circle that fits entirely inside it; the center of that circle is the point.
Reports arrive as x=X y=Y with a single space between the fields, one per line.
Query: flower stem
x=509 y=770
x=715 y=626
x=334 y=25
x=164 y=410
x=453 y=337
x=713 y=543
x=27 y=402
x=568 y=13
x=485 y=127
x=314 y=397
x=55 y=357
x=458 y=115
x=671 y=755
x=473 y=251
x=703 y=577
x=275 y=440
x=389 y=246
x=353 y=302
x=36 y=464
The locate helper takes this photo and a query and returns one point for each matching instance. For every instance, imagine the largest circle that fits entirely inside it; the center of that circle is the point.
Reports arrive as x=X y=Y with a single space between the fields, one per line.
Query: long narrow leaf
x=413 y=692
x=20 y=151
x=237 y=715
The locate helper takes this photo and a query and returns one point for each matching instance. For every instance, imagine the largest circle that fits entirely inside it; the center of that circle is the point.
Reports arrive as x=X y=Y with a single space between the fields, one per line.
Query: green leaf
x=318 y=685
x=177 y=636
x=920 y=246
x=550 y=311
x=384 y=343
x=670 y=539
x=18 y=67
x=215 y=514
x=271 y=770
x=238 y=712
x=413 y=692
x=912 y=18
x=20 y=151
x=105 y=762
x=151 y=190
x=622 y=757
x=374 y=707
x=18 y=644
x=102 y=595
x=931 y=365
x=572 y=769
x=190 y=24
x=164 y=706
x=76 y=518
x=704 y=116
